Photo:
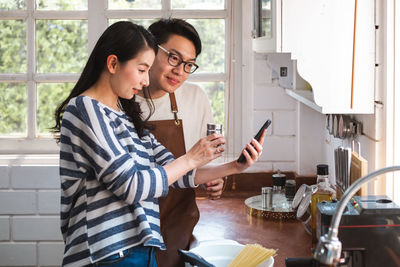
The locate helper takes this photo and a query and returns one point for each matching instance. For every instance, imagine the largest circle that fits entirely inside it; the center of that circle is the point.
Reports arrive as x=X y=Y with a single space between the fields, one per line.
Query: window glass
x=198 y=4
x=216 y=94
x=13 y=109
x=13 y=46
x=134 y=4
x=12 y=4
x=61 y=45
x=266 y=18
x=212 y=34
x=61 y=5
x=50 y=95
x=144 y=22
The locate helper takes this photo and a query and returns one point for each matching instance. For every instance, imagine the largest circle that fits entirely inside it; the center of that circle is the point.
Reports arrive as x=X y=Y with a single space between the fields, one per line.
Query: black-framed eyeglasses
x=176 y=60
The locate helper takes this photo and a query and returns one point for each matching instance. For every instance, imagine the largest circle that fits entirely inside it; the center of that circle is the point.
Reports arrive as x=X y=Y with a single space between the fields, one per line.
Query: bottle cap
x=266 y=190
x=322 y=169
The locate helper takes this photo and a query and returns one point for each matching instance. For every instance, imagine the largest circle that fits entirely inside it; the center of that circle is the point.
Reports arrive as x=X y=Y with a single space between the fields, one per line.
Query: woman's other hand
x=255 y=148
x=206 y=150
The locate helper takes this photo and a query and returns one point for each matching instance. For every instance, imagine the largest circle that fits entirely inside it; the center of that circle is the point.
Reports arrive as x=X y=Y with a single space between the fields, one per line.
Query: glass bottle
x=324 y=192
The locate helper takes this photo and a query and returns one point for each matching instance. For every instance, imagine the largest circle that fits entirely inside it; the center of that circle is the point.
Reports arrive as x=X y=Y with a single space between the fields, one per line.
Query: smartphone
x=242 y=159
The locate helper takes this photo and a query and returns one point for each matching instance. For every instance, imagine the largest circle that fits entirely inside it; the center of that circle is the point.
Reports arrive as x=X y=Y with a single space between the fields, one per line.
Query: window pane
x=50 y=95
x=61 y=45
x=13 y=46
x=61 y=5
x=134 y=4
x=266 y=18
x=198 y=4
x=12 y=4
x=144 y=22
x=13 y=109
x=216 y=95
x=212 y=34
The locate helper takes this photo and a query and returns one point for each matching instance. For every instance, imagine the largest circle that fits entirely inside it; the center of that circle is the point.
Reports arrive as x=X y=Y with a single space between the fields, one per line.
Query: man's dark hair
x=164 y=28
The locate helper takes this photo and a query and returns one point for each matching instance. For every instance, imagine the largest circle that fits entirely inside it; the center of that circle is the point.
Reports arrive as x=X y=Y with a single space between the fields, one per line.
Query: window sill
x=29 y=159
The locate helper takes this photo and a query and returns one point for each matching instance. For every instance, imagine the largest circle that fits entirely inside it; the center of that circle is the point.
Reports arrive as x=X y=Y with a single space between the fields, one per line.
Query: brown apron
x=178 y=210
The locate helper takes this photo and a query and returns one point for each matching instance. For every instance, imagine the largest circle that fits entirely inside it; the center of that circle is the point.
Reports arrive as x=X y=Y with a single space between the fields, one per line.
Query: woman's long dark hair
x=125 y=40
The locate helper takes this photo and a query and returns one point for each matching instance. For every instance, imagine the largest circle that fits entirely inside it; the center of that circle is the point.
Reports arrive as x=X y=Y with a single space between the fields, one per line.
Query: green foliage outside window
x=61 y=47
x=49 y=96
x=13 y=108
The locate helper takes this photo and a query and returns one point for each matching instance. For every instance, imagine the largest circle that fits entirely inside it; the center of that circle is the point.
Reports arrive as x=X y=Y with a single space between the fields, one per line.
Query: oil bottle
x=324 y=192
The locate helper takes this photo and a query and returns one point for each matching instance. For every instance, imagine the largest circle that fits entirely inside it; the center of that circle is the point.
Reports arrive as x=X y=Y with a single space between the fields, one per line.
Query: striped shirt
x=110 y=180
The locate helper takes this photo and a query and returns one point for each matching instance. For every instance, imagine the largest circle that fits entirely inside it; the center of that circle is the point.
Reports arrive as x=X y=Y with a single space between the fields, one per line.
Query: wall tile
x=259 y=166
x=262 y=71
x=51 y=254
x=45 y=228
x=278 y=148
x=4 y=228
x=4 y=178
x=284 y=166
x=272 y=97
x=284 y=123
x=35 y=177
x=49 y=202
x=12 y=254
x=17 y=202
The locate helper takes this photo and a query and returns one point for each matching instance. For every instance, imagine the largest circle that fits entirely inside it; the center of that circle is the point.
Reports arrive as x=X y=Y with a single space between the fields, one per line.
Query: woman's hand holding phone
x=251 y=153
x=253 y=150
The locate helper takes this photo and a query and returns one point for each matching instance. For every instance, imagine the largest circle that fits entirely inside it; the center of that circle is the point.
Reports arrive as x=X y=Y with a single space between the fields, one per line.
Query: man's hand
x=214 y=188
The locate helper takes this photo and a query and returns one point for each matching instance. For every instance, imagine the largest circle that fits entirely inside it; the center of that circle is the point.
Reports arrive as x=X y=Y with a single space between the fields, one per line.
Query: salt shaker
x=266 y=197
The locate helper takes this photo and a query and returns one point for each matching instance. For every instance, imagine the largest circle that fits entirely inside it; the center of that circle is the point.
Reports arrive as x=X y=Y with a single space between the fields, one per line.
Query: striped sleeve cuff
x=164 y=181
x=187 y=181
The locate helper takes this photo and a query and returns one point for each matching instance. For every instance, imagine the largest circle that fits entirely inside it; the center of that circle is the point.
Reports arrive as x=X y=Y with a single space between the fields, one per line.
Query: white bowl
x=222 y=252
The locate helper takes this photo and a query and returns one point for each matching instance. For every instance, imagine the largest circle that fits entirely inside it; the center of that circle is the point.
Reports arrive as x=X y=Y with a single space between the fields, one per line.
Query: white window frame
x=97 y=16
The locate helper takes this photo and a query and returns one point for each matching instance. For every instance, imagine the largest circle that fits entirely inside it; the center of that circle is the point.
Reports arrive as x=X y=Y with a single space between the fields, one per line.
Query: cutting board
x=358 y=169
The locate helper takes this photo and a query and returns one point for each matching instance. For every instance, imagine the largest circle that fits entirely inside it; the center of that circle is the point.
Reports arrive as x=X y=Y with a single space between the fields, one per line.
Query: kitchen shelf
x=304 y=96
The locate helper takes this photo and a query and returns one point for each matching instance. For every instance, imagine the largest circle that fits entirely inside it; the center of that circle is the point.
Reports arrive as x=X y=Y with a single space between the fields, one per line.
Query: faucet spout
x=329 y=247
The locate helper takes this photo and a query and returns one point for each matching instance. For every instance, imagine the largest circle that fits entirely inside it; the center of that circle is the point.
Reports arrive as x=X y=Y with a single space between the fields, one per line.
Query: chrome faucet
x=329 y=247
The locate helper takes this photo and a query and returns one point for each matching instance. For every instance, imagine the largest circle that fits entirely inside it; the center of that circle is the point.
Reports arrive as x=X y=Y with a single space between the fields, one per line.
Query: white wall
x=29 y=215
x=298 y=139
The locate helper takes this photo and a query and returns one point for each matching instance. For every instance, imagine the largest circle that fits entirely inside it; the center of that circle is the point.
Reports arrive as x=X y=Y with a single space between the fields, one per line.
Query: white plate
x=222 y=252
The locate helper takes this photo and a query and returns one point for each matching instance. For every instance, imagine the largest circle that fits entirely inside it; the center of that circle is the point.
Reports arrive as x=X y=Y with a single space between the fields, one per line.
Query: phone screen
x=242 y=159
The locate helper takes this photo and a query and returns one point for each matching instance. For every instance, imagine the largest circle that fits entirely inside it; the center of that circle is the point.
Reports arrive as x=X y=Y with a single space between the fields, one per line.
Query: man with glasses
x=180 y=116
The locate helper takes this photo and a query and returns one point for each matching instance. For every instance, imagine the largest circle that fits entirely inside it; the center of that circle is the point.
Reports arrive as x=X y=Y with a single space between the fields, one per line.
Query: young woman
x=112 y=168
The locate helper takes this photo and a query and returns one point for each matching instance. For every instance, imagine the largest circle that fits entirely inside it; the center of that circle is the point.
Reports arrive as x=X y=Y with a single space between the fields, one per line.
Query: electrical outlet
x=283 y=71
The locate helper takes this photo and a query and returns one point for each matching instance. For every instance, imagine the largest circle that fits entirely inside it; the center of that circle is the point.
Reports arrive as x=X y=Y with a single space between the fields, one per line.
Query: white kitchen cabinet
x=333 y=42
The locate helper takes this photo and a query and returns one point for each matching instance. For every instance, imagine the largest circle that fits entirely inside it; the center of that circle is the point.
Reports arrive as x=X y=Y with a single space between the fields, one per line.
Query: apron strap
x=174 y=108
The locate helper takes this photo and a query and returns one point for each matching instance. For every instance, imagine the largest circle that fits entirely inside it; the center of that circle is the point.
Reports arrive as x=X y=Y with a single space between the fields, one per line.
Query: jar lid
x=303 y=207
x=299 y=196
x=214 y=126
x=322 y=169
x=266 y=190
x=279 y=179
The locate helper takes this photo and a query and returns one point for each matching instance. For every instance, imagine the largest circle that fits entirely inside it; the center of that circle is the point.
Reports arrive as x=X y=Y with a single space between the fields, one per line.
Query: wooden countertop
x=227 y=218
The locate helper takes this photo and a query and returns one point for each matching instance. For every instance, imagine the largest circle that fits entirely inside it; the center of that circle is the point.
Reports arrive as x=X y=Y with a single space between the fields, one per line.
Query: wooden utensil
x=358 y=169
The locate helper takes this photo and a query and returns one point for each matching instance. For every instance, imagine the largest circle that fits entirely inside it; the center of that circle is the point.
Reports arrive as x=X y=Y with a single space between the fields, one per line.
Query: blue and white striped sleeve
x=163 y=156
x=87 y=137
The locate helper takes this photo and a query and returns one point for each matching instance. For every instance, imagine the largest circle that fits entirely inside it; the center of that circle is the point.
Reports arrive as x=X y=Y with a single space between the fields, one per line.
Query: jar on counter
x=278 y=190
x=290 y=189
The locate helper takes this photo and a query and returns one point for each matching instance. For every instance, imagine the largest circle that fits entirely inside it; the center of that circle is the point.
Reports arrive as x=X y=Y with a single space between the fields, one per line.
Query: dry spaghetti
x=252 y=255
